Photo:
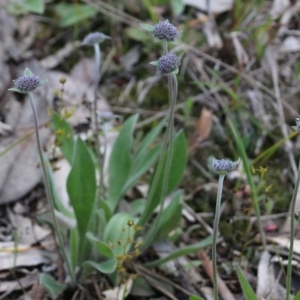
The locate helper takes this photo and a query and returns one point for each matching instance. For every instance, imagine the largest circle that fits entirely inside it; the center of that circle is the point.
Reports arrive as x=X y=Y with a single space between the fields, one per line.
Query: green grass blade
x=181 y=252
x=246 y=287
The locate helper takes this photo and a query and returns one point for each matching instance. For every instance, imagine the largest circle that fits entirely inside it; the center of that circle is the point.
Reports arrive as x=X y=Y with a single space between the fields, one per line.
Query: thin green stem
x=49 y=191
x=215 y=235
x=292 y=234
x=96 y=120
x=168 y=141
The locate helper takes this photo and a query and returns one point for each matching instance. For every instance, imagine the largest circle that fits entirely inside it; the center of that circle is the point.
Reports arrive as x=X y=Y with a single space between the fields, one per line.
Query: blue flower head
x=165 y=31
x=27 y=83
x=222 y=166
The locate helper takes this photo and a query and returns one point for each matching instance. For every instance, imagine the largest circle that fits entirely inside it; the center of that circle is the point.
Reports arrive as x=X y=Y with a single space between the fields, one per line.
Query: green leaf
x=154 y=63
x=141 y=167
x=177 y=7
x=27 y=72
x=15 y=90
x=168 y=219
x=297 y=297
x=138 y=35
x=147 y=27
x=57 y=202
x=120 y=163
x=101 y=247
x=117 y=232
x=81 y=186
x=53 y=287
x=71 y=14
x=246 y=287
x=137 y=206
x=141 y=288
x=106 y=267
x=181 y=252
x=147 y=141
x=25 y=6
x=104 y=206
x=74 y=247
x=178 y=164
x=64 y=136
x=193 y=297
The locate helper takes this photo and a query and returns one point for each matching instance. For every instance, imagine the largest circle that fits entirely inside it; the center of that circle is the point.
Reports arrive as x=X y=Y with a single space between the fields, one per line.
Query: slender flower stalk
x=215 y=235
x=221 y=167
x=167 y=65
x=27 y=84
x=292 y=226
x=95 y=39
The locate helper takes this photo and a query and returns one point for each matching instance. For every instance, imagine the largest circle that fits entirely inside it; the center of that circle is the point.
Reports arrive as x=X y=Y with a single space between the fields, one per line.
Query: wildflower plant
x=27 y=84
x=104 y=238
x=220 y=167
x=95 y=39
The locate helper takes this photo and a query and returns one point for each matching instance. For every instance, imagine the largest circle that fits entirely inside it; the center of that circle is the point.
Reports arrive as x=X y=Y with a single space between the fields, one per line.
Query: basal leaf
x=117 y=232
x=297 y=297
x=53 y=287
x=178 y=164
x=74 y=247
x=71 y=14
x=81 y=186
x=102 y=247
x=168 y=219
x=120 y=163
x=147 y=141
x=141 y=167
x=106 y=267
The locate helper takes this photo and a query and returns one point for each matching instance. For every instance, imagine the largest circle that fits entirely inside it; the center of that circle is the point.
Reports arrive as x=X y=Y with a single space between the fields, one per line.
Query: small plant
x=220 y=167
x=104 y=238
x=27 y=84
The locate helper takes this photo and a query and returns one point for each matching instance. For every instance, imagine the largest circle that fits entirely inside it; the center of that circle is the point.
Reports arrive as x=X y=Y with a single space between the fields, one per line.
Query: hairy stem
x=49 y=191
x=292 y=234
x=215 y=235
x=96 y=120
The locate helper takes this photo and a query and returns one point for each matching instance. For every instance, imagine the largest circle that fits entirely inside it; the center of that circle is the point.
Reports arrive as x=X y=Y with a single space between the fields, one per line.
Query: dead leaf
x=207 y=265
x=23 y=283
x=119 y=292
x=267 y=285
x=202 y=129
x=241 y=54
x=54 y=60
x=216 y=6
x=24 y=256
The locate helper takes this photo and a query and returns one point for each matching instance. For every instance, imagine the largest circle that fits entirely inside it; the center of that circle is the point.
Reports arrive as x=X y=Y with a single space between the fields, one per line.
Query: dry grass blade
x=207 y=265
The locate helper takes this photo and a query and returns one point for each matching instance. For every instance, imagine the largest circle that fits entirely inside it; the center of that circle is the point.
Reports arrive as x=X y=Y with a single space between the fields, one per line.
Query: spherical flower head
x=168 y=63
x=95 y=38
x=165 y=31
x=222 y=166
x=297 y=127
x=27 y=83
